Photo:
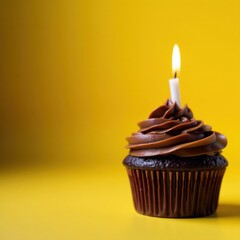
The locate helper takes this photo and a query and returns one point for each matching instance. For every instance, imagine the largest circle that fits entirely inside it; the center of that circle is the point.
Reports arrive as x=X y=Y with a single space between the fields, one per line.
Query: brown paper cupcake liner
x=175 y=194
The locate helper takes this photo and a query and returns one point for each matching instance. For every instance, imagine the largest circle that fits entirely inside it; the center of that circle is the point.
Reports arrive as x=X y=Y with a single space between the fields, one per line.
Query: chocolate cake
x=175 y=166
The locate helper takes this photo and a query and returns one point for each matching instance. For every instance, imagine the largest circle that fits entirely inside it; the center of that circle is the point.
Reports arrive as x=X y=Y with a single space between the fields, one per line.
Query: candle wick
x=175 y=74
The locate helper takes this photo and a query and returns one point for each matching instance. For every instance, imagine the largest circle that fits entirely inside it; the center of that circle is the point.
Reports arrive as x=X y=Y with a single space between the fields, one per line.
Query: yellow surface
x=76 y=76
x=96 y=204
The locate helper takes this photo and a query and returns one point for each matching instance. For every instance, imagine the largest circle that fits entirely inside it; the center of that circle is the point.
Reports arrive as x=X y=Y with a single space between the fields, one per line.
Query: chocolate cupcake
x=175 y=166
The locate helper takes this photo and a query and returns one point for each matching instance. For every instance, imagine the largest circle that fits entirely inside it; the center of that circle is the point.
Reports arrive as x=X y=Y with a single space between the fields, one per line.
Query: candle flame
x=176 y=61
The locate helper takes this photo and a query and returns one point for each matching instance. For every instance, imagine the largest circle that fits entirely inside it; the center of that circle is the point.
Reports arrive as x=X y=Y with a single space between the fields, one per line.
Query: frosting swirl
x=171 y=130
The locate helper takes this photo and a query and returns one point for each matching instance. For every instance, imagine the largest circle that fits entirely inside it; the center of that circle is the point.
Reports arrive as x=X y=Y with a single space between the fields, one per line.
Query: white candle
x=174 y=89
x=174 y=82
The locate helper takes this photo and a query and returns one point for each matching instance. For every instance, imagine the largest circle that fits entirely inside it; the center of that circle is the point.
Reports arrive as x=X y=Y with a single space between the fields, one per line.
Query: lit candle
x=174 y=82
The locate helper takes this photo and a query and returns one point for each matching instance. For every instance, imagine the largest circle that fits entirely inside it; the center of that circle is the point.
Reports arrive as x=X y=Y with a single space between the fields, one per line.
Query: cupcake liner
x=162 y=193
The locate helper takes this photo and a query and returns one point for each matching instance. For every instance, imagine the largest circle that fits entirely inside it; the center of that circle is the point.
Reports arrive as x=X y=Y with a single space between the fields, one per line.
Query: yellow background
x=76 y=77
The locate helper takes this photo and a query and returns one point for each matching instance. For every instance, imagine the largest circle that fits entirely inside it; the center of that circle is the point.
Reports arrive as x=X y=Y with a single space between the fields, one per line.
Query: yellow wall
x=76 y=76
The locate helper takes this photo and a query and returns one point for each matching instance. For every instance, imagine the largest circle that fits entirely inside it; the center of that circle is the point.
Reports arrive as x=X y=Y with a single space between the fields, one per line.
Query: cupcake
x=175 y=166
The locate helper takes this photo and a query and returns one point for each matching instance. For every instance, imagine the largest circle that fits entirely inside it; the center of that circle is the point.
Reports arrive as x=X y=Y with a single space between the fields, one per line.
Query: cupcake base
x=167 y=191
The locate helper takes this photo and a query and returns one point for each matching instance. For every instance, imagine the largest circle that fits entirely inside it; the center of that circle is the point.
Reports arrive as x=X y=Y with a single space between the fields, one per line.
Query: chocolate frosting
x=171 y=130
